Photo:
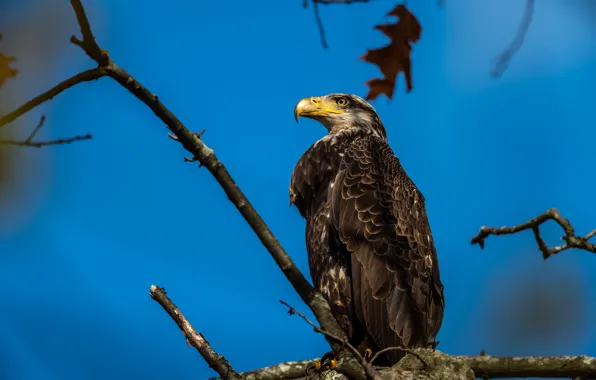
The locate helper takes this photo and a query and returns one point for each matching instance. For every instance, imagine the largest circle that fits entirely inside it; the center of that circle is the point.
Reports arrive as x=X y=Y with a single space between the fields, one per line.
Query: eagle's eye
x=342 y=102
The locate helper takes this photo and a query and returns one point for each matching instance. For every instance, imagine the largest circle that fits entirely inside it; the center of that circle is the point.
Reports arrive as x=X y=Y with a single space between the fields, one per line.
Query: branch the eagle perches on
x=419 y=364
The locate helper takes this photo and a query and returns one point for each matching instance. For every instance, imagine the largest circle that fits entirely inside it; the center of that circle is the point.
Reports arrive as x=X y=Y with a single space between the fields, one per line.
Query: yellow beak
x=315 y=107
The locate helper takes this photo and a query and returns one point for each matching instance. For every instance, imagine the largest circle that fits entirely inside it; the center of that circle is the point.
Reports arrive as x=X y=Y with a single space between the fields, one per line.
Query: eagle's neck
x=351 y=124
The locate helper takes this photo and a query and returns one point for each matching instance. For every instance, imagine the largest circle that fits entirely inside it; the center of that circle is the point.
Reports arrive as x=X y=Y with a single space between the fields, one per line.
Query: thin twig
x=505 y=57
x=315 y=9
x=42 y=121
x=84 y=76
x=319 y=20
x=41 y=144
x=371 y=373
x=197 y=340
x=571 y=240
x=38 y=144
x=403 y=349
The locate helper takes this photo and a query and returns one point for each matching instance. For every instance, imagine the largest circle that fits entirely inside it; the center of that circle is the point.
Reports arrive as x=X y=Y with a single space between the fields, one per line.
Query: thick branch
x=88 y=44
x=485 y=366
x=442 y=366
x=286 y=370
x=197 y=340
x=205 y=155
x=571 y=240
x=85 y=76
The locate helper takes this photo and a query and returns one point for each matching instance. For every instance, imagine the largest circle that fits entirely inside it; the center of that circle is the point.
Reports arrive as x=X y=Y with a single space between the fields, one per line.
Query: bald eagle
x=370 y=248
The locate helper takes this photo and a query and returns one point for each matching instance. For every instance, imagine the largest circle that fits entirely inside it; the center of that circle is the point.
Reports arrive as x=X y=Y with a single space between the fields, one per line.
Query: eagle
x=370 y=248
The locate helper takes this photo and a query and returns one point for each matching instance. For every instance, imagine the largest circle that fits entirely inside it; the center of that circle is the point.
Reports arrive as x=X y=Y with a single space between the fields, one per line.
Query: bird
x=371 y=252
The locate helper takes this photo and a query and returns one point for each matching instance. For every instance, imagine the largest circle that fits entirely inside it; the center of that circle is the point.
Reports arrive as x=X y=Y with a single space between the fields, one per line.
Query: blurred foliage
x=535 y=306
x=36 y=40
x=6 y=71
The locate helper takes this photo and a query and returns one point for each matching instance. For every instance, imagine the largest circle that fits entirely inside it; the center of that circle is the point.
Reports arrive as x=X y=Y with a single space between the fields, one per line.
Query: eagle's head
x=339 y=112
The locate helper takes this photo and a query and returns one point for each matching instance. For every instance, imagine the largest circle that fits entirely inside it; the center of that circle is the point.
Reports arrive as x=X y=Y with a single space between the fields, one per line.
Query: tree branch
x=197 y=340
x=285 y=370
x=505 y=57
x=38 y=144
x=205 y=155
x=481 y=366
x=319 y=21
x=571 y=240
x=485 y=366
x=84 y=76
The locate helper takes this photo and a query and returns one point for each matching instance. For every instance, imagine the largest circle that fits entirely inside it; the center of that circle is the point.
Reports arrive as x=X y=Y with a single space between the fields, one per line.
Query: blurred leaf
x=395 y=57
x=5 y=70
x=534 y=308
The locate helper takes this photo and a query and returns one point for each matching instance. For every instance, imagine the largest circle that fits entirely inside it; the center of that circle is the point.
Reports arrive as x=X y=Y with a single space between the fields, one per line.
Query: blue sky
x=85 y=229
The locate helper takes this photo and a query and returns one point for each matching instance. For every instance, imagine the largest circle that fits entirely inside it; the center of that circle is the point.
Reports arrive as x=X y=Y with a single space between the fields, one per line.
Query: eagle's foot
x=367 y=354
x=197 y=135
x=328 y=362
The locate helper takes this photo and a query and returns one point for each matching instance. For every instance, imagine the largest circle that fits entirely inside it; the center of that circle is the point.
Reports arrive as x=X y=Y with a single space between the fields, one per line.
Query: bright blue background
x=85 y=229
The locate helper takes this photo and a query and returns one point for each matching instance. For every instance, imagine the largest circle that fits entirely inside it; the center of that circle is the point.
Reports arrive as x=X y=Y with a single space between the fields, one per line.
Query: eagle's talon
x=313 y=367
x=368 y=354
x=327 y=362
x=332 y=364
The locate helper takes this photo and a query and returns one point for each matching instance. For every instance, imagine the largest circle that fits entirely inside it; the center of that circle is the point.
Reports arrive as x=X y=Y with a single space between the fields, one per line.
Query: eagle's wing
x=380 y=216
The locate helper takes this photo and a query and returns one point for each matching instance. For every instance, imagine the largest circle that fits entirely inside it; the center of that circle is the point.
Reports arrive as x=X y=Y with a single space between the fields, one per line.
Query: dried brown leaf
x=5 y=70
x=395 y=57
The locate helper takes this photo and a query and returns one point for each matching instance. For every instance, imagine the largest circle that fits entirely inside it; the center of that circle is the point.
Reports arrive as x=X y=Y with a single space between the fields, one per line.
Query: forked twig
x=570 y=238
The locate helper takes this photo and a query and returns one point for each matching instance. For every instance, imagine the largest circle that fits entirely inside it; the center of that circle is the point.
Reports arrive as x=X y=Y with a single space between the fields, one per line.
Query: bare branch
x=571 y=240
x=197 y=340
x=38 y=144
x=371 y=373
x=505 y=57
x=319 y=21
x=205 y=155
x=84 y=76
x=482 y=366
x=486 y=366
x=285 y=370
x=42 y=121
x=88 y=44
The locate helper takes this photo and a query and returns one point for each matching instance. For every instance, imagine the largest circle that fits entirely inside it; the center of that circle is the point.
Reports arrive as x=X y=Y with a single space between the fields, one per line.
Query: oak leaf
x=395 y=57
x=5 y=70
